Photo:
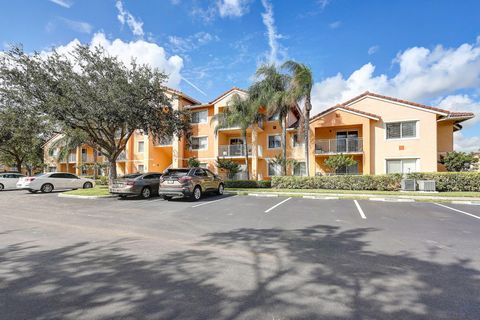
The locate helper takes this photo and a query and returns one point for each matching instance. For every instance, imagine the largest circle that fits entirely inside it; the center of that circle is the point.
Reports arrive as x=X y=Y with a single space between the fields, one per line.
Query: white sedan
x=47 y=182
x=9 y=180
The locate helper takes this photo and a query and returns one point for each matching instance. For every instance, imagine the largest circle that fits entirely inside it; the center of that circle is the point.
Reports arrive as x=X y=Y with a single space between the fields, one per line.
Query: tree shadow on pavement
x=319 y=272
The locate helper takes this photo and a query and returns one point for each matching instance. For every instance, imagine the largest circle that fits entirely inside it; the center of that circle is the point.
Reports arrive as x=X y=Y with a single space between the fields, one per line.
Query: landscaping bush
x=390 y=182
x=248 y=184
x=451 y=181
x=102 y=181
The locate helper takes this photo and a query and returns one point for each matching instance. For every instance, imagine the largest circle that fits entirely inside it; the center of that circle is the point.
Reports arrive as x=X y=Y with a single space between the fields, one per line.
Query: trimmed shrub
x=451 y=181
x=248 y=184
x=390 y=182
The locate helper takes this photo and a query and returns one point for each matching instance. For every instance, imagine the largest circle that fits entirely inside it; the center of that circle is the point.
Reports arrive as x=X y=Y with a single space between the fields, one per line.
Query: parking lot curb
x=62 y=195
x=266 y=195
x=472 y=203
x=320 y=198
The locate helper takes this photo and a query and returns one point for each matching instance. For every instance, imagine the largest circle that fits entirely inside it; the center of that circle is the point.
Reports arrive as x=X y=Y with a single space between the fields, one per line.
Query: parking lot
x=237 y=257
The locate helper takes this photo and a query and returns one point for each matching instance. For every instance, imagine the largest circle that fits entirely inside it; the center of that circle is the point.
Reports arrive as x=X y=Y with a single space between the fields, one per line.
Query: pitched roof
x=225 y=93
x=183 y=95
x=347 y=109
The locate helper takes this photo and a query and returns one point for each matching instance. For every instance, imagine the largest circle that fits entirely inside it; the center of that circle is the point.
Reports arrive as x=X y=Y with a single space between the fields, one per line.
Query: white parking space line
x=360 y=209
x=209 y=202
x=468 y=214
x=280 y=203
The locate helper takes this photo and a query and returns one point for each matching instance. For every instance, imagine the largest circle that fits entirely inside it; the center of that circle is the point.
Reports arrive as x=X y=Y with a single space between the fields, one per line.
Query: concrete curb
x=72 y=196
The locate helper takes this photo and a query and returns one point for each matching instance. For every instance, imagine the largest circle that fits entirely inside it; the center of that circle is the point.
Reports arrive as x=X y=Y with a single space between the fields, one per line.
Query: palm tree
x=271 y=91
x=69 y=142
x=300 y=88
x=243 y=113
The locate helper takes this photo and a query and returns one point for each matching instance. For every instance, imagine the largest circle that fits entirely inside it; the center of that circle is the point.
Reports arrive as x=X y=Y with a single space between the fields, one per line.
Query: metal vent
x=409 y=185
x=426 y=185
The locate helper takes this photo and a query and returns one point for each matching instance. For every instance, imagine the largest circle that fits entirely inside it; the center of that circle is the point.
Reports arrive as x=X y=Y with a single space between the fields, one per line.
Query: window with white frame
x=401 y=130
x=402 y=165
x=141 y=168
x=274 y=169
x=203 y=165
x=300 y=169
x=199 y=143
x=274 y=141
x=296 y=140
x=200 y=116
x=140 y=146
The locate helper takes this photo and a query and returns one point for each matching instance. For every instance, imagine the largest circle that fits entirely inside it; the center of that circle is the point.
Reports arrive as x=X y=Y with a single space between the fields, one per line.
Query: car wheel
x=221 y=189
x=1 y=187
x=168 y=198
x=87 y=185
x=196 y=194
x=146 y=193
x=46 y=188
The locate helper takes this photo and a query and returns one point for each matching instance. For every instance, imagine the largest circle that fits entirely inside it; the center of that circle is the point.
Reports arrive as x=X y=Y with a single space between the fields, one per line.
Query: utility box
x=427 y=185
x=409 y=185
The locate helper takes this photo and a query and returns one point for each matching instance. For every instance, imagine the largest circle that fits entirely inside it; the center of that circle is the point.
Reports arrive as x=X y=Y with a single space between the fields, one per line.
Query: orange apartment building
x=383 y=134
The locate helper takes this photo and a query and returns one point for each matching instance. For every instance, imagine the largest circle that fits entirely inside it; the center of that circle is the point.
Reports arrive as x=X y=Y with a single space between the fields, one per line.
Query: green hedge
x=390 y=182
x=445 y=181
x=451 y=181
x=248 y=184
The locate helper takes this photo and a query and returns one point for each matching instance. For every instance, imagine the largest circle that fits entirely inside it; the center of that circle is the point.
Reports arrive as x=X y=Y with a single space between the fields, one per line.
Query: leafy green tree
x=270 y=90
x=285 y=163
x=193 y=162
x=243 y=113
x=338 y=161
x=93 y=92
x=230 y=166
x=300 y=88
x=458 y=161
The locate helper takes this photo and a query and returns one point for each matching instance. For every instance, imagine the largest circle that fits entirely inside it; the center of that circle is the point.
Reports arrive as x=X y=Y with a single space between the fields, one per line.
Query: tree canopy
x=458 y=161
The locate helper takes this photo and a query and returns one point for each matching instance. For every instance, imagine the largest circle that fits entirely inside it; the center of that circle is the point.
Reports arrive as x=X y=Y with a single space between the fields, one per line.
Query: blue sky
x=425 y=51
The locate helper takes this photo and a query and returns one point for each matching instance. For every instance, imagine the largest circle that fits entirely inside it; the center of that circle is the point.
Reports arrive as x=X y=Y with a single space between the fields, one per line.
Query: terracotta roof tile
x=342 y=107
x=225 y=93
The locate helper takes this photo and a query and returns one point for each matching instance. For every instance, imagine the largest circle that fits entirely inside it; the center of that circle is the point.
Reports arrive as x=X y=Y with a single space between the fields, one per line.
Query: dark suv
x=136 y=184
x=189 y=182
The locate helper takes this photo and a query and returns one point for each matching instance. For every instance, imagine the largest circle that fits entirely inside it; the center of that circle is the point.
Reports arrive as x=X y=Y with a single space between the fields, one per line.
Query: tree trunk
x=284 y=144
x=244 y=136
x=308 y=107
x=112 y=175
x=95 y=164
x=19 y=166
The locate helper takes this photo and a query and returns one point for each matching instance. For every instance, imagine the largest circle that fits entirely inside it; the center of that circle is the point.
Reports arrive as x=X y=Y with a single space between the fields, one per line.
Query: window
x=201 y=173
x=348 y=170
x=274 y=117
x=141 y=168
x=296 y=140
x=274 y=142
x=203 y=165
x=140 y=146
x=401 y=165
x=274 y=169
x=401 y=130
x=152 y=176
x=199 y=143
x=200 y=116
x=300 y=169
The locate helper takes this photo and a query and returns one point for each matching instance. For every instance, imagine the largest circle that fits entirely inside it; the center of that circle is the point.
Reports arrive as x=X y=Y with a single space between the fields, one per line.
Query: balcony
x=72 y=158
x=122 y=156
x=335 y=146
x=233 y=150
x=163 y=142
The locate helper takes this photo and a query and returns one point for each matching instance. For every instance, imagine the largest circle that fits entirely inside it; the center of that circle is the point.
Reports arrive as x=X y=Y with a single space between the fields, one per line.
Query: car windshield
x=177 y=172
x=39 y=175
x=131 y=176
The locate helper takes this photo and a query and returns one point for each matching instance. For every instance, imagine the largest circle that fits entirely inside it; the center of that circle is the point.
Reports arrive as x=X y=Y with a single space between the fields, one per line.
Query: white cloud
x=373 y=49
x=276 y=53
x=335 y=24
x=63 y=3
x=461 y=102
x=323 y=3
x=467 y=144
x=179 y=44
x=423 y=75
x=232 y=8
x=136 y=26
x=144 y=52
x=79 y=26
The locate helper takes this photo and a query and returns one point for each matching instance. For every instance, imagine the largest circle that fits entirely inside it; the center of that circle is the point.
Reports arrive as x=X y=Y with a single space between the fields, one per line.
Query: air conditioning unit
x=409 y=185
x=426 y=185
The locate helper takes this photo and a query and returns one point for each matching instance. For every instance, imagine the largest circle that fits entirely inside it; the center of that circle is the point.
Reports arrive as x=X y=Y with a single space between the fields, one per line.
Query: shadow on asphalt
x=318 y=272
x=205 y=198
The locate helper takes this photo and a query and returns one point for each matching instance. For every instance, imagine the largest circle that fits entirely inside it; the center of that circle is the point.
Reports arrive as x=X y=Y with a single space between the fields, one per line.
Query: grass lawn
x=372 y=192
x=96 y=191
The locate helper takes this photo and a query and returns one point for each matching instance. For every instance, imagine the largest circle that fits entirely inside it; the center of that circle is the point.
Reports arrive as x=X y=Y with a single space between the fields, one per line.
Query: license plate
x=170 y=181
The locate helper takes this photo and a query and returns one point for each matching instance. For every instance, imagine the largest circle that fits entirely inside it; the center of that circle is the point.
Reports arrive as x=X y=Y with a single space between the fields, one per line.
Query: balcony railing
x=122 y=156
x=71 y=159
x=332 y=146
x=233 y=150
x=163 y=142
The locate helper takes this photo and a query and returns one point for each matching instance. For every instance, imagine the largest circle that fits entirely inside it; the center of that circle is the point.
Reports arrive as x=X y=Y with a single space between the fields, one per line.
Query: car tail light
x=185 y=179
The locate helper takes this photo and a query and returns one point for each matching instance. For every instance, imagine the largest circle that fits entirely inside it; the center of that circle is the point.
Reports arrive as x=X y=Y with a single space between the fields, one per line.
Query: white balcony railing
x=122 y=156
x=71 y=158
x=332 y=146
x=164 y=142
x=233 y=150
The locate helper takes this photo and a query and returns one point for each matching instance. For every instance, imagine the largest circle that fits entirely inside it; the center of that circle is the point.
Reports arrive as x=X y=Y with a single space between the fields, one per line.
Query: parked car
x=136 y=184
x=47 y=182
x=189 y=183
x=9 y=180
